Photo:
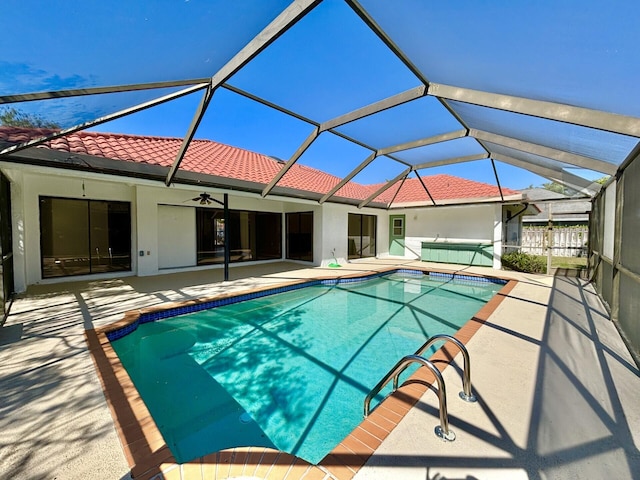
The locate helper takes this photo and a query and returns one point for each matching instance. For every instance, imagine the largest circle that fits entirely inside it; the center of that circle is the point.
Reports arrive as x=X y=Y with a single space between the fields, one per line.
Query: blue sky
x=327 y=65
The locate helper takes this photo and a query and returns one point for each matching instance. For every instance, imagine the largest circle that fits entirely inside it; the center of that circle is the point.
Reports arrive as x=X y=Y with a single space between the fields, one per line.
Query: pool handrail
x=466 y=393
x=441 y=430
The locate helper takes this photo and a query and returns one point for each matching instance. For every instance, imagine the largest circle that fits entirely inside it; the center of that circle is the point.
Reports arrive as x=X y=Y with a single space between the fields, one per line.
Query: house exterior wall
x=27 y=185
x=147 y=198
x=473 y=224
x=176 y=236
x=335 y=231
x=468 y=224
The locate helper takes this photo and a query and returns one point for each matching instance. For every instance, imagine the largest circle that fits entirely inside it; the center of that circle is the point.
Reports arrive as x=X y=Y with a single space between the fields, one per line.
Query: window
x=252 y=235
x=79 y=237
x=299 y=236
x=361 y=236
x=398 y=227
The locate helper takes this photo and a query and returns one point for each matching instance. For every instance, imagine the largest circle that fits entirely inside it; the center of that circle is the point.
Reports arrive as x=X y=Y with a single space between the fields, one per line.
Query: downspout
x=516 y=215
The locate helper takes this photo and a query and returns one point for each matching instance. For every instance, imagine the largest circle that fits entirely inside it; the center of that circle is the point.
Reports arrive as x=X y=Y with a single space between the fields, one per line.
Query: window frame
x=92 y=270
x=374 y=236
x=288 y=255
x=251 y=231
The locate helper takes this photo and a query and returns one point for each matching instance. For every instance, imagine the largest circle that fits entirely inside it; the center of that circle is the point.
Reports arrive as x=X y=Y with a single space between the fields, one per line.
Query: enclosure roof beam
x=404 y=179
x=283 y=22
x=542 y=151
x=451 y=161
x=79 y=92
x=186 y=141
x=375 y=107
x=609 y=122
x=106 y=118
x=294 y=158
x=287 y=18
x=386 y=39
x=267 y=103
x=384 y=187
x=556 y=175
x=346 y=179
x=495 y=173
x=444 y=137
x=425 y=188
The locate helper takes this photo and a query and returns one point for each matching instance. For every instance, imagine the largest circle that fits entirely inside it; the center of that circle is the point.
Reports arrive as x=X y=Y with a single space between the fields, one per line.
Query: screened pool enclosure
x=394 y=90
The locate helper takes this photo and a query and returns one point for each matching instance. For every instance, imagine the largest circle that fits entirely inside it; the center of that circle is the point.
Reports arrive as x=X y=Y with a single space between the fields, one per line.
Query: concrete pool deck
x=558 y=391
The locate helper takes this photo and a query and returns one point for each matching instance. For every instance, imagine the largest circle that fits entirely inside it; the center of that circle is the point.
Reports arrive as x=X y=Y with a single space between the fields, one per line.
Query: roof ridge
x=133 y=135
x=165 y=138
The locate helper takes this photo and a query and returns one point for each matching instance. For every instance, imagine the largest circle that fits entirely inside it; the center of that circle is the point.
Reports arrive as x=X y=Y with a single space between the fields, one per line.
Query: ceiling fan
x=204 y=199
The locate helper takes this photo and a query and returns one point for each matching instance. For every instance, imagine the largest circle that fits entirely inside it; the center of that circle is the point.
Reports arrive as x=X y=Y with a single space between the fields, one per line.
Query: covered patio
x=557 y=389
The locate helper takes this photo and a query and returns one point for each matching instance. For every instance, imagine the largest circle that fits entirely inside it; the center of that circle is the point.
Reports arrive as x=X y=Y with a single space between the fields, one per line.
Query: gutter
x=517 y=214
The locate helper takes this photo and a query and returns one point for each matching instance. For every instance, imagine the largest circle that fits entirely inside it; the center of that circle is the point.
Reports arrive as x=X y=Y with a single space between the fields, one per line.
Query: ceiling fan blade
x=196 y=199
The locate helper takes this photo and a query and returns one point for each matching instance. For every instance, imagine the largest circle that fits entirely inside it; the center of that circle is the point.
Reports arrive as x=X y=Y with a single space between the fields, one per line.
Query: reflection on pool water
x=288 y=371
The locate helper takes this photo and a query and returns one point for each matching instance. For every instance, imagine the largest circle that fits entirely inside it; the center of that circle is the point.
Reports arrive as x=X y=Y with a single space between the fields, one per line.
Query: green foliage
x=556 y=187
x=12 y=117
x=553 y=187
x=523 y=262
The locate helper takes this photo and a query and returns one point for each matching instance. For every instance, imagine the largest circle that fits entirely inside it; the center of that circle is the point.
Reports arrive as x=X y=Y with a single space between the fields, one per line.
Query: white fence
x=567 y=241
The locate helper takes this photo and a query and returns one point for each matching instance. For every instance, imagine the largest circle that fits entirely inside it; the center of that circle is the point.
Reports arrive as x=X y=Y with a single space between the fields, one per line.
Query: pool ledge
x=150 y=458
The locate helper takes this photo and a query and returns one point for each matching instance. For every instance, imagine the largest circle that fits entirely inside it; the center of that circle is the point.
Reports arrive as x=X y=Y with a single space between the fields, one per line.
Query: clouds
x=16 y=78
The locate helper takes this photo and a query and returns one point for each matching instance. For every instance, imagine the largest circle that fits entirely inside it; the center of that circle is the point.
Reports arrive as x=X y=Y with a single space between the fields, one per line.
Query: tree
x=554 y=187
x=12 y=117
x=558 y=188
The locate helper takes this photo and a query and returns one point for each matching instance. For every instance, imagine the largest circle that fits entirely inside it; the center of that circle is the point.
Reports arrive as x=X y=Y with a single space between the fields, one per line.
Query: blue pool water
x=287 y=371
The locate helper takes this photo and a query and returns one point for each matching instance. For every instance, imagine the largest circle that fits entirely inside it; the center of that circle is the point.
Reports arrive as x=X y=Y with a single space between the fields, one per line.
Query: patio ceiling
x=537 y=90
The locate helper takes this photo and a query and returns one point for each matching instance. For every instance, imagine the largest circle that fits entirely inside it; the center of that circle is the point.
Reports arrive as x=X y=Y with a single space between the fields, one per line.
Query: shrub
x=523 y=262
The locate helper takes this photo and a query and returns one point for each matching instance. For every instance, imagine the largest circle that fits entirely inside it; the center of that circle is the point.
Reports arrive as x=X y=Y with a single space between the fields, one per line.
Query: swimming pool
x=290 y=370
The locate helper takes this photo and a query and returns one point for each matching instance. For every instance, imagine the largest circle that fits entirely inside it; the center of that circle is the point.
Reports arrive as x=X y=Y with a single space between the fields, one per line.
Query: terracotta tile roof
x=441 y=187
x=213 y=158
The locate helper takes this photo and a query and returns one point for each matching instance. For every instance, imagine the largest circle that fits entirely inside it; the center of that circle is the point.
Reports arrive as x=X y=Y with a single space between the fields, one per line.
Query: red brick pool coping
x=150 y=458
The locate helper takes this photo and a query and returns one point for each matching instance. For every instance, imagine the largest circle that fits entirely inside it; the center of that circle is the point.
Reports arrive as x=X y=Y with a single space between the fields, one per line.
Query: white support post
x=497 y=237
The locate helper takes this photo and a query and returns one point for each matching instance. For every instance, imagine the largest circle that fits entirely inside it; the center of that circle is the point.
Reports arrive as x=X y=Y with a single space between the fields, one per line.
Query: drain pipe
x=516 y=215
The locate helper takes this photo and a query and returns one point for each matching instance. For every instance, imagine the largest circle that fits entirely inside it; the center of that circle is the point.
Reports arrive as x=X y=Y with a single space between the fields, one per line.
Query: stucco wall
x=476 y=223
x=26 y=187
x=335 y=228
x=28 y=183
x=481 y=223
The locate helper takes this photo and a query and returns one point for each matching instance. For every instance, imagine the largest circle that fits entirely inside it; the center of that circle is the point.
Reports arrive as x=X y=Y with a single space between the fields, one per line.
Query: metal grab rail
x=466 y=394
x=441 y=430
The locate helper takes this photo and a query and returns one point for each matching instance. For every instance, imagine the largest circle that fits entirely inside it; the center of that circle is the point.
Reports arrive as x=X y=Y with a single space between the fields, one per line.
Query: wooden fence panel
x=567 y=241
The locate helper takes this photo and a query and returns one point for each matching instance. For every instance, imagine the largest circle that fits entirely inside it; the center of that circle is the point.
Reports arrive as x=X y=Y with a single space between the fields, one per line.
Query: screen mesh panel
x=589 y=142
x=328 y=64
x=568 y=52
x=415 y=120
x=451 y=149
x=87 y=44
x=629 y=255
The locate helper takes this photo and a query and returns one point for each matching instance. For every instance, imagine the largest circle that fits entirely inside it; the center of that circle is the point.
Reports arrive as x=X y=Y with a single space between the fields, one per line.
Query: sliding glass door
x=361 y=236
x=299 y=231
x=79 y=237
x=252 y=235
x=6 y=247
